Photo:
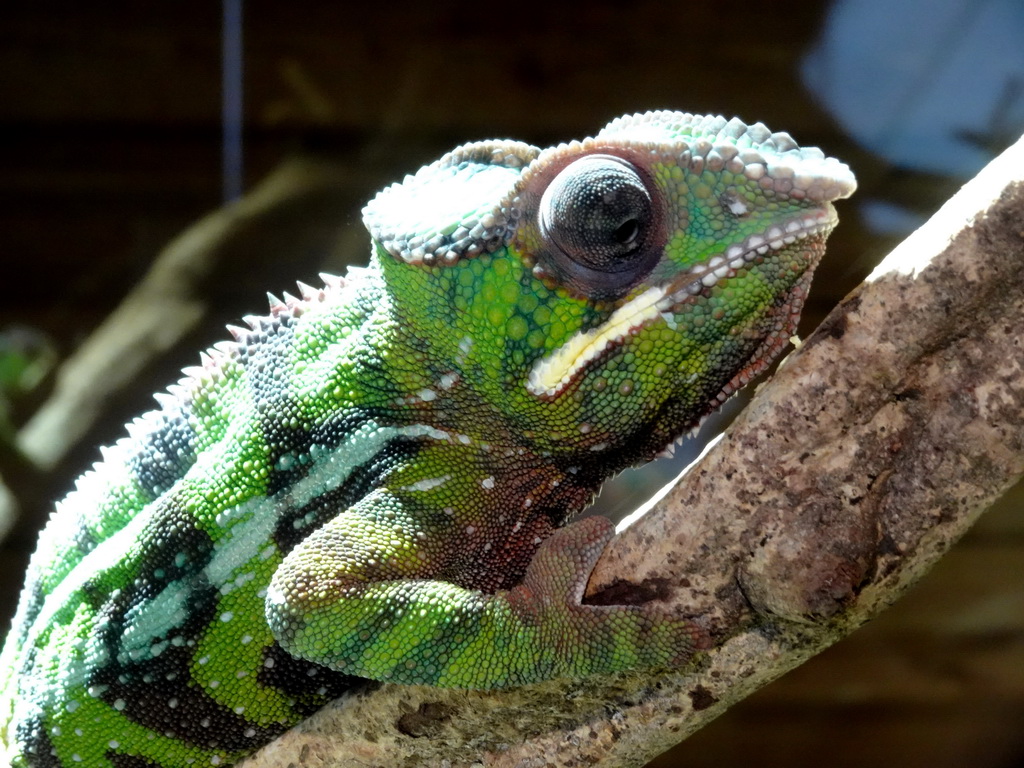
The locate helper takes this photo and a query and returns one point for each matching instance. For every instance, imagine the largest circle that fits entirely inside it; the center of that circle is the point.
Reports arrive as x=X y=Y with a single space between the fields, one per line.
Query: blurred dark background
x=113 y=159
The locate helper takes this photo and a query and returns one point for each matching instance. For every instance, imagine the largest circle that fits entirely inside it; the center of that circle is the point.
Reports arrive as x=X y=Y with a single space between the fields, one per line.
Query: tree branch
x=870 y=452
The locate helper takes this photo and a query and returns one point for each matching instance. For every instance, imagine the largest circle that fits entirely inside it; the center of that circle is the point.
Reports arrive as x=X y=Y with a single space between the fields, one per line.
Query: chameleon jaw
x=552 y=373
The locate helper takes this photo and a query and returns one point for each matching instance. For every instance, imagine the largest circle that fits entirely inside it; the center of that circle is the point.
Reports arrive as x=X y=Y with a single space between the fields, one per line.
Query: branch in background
x=287 y=227
x=165 y=306
x=871 y=451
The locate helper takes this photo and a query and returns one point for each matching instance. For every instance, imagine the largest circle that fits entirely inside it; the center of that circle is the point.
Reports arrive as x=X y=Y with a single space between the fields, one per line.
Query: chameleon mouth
x=551 y=374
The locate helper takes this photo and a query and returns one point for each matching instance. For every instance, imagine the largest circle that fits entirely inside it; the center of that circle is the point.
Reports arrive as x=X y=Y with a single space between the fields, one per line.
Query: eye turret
x=599 y=216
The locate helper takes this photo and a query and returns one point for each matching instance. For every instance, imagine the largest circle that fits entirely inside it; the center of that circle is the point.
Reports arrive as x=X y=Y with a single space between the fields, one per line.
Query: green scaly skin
x=374 y=480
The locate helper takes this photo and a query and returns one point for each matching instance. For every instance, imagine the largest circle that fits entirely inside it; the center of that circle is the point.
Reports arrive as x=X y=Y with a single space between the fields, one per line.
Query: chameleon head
x=625 y=284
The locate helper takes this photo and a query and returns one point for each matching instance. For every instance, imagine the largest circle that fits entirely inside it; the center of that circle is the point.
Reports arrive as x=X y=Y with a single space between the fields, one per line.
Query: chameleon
x=375 y=480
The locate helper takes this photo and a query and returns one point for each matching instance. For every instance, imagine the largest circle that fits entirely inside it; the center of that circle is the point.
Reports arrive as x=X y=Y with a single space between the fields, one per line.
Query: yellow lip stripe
x=551 y=374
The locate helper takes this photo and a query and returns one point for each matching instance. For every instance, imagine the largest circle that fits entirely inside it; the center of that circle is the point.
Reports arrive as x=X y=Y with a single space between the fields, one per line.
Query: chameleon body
x=374 y=480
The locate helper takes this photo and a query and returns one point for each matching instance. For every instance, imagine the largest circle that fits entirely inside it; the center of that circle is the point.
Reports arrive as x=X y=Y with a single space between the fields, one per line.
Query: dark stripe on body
x=263 y=354
x=166 y=453
x=310 y=685
x=35 y=744
x=131 y=761
x=296 y=523
x=174 y=554
x=289 y=447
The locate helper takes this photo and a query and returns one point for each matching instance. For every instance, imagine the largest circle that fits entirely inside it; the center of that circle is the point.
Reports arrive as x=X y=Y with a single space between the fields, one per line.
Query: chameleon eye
x=598 y=213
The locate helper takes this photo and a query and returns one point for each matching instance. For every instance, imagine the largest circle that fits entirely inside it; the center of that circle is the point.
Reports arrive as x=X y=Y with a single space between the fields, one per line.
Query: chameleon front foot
x=591 y=639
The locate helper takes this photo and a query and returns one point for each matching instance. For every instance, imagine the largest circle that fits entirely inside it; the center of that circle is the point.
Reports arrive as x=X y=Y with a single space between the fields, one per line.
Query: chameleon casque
x=373 y=480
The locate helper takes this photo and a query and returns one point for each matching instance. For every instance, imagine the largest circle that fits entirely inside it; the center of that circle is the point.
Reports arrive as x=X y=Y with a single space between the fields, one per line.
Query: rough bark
x=876 y=445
